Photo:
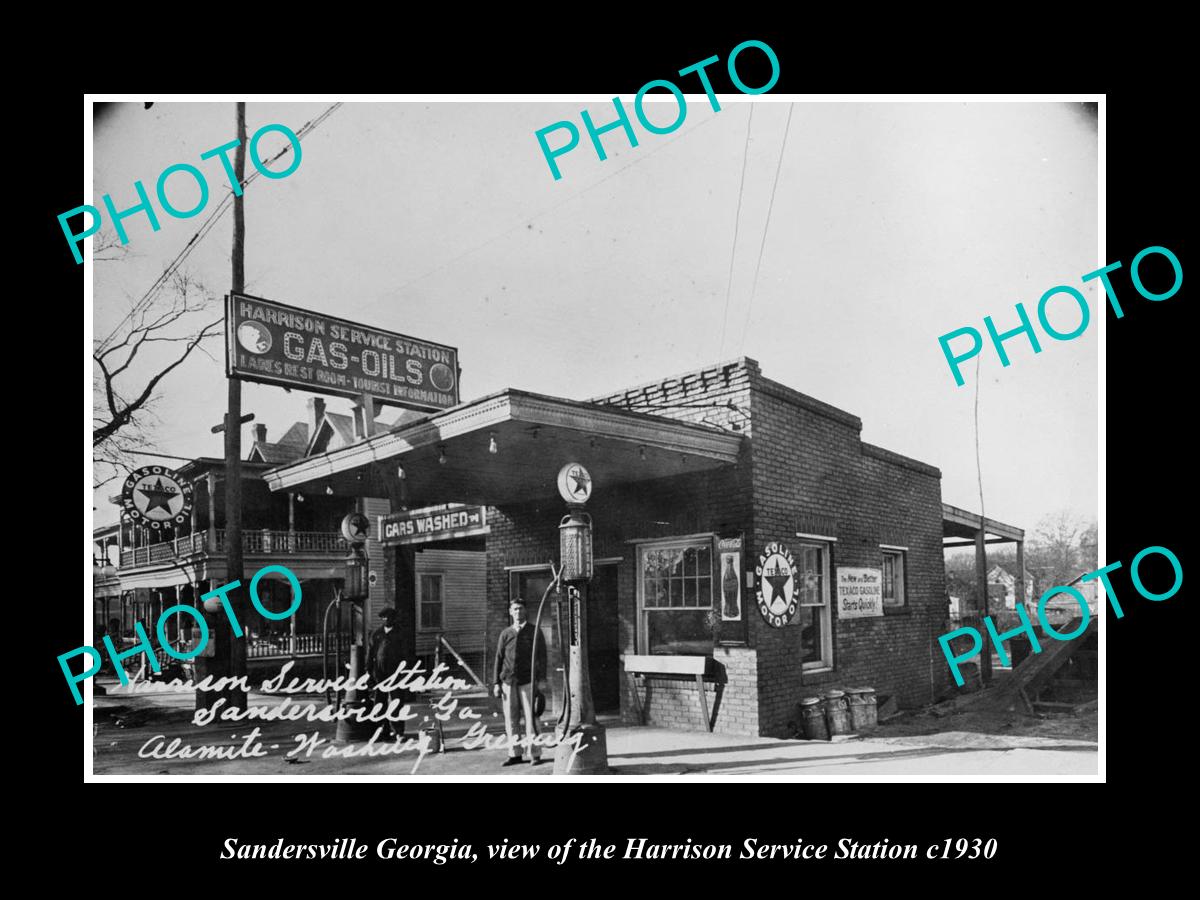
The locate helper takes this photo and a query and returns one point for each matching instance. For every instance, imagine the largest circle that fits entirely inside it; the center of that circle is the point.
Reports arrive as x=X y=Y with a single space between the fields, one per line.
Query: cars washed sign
x=436 y=523
x=272 y=343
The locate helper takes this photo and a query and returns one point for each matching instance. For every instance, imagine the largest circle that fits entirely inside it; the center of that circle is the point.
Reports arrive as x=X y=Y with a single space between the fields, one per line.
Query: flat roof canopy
x=534 y=437
x=961 y=526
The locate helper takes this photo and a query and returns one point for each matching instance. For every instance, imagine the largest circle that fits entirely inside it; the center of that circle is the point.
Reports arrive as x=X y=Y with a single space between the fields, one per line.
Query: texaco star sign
x=777 y=597
x=156 y=496
x=356 y=528
x=574 y=483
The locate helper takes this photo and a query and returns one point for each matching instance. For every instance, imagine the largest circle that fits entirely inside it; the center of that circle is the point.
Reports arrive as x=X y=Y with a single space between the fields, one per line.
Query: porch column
x=1021 y=573
x=212 y=512
x=192 y=524
x=291 y=538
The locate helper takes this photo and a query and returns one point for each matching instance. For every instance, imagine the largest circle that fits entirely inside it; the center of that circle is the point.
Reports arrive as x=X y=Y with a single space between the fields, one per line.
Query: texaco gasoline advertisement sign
x=777 y=597
x=155 y=496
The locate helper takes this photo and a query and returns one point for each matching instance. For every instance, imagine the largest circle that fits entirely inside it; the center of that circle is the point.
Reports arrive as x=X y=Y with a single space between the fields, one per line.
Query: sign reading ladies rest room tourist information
x=272 y=343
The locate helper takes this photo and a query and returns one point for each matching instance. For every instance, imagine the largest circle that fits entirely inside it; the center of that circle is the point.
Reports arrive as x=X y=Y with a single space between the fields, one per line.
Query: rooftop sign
x=271 y=343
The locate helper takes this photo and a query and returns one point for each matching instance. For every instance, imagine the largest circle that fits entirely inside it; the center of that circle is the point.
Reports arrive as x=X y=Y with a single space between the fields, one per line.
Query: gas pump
x=578 y=727
x=355 y=528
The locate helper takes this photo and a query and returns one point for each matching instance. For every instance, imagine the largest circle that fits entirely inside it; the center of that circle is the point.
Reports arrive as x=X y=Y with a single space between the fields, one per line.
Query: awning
x=959 y=528
x=509 y=447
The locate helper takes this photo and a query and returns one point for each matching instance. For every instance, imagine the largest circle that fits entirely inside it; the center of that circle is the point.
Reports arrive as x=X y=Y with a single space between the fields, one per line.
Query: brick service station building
x=743 y=533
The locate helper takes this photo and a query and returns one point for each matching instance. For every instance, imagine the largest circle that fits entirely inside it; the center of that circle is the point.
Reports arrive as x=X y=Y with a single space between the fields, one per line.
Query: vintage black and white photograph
x=677 y=434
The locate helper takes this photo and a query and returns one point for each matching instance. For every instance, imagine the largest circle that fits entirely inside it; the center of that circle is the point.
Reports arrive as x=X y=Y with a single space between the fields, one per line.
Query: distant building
x=1063 y=607
x=1002 y=586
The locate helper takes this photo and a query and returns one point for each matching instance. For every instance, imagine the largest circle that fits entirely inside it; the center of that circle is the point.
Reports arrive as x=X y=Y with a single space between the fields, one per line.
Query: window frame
x=687 y=541
x=422 y=602
x=901 y=554
x=825 y=548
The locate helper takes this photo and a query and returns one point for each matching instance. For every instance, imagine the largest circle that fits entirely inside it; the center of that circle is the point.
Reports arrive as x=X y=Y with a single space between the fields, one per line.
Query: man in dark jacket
x=514 y=678
x=384 y=655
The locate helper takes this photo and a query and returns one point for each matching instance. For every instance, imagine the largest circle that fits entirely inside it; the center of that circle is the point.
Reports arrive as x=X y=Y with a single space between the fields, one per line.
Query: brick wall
x=805 y=469
x=812 y=473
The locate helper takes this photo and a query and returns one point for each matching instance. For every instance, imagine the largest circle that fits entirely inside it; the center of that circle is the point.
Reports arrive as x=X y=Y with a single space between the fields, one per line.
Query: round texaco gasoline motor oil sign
x=776 y=575
x=155 y=496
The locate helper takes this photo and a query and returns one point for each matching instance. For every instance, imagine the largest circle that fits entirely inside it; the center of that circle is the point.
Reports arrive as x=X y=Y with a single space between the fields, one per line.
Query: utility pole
x=981 y=573
x=233 y=431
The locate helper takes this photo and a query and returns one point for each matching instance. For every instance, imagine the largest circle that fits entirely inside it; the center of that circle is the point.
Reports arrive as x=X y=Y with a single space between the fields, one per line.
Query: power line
x=736 y=220
x=151 y=453
x=207 y=225
x=766 y=227
x=978 y=464
x=527 y=219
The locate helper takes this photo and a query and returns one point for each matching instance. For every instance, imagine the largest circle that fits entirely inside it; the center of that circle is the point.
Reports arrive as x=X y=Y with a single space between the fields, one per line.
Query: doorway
x=603 y=627
x=603 y=632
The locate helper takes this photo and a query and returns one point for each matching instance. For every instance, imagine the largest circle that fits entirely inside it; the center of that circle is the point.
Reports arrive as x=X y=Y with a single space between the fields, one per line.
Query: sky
x=890 y=224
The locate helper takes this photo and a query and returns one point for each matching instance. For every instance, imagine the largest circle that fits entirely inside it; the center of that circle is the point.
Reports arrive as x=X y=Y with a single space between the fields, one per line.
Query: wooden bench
x=677 y=668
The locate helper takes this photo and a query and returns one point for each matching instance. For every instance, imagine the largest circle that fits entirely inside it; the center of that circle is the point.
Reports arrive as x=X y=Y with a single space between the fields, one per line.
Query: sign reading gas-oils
x=277 y=344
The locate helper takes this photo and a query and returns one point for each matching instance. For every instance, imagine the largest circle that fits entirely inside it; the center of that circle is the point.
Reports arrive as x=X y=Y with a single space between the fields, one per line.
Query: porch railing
x=261 y=647
x=254 y=541
x=281 y=646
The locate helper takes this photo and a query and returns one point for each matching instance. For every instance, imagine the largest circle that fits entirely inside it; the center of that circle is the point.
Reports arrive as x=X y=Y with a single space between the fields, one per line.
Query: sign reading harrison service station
x=272 y=343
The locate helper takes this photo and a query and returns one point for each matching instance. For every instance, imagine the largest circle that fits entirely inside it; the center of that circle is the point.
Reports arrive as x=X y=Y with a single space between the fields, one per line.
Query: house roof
x=276 y=453
x=288 y=448
x=343 y=425
x=297 y=434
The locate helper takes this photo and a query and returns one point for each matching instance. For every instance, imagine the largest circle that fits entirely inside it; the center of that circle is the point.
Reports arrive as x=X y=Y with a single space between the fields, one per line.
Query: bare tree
x=1061 y=549
x=152 y=341
x=1089 y=548
x=107 y=247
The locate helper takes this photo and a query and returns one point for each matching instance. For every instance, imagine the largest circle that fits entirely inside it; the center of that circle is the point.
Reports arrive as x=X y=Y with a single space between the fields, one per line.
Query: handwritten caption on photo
x=213 y=600
x=407 y=677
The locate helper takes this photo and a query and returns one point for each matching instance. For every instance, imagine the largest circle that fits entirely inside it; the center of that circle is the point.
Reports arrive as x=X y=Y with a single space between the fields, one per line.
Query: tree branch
x=124 y=415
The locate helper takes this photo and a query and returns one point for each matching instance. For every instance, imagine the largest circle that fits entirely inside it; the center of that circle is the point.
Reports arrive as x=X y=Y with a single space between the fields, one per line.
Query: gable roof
x=288 y=448
x=297 y=434
x=333 y=432
x=268 y=452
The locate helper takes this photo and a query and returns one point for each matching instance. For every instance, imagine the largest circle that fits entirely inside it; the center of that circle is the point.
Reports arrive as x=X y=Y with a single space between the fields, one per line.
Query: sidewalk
x=124 y=724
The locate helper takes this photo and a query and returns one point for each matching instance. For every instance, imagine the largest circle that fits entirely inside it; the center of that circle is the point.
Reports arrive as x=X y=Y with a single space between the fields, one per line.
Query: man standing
x=384 y=655
x=515 y=675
